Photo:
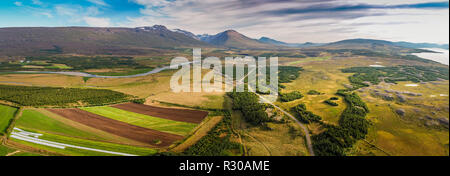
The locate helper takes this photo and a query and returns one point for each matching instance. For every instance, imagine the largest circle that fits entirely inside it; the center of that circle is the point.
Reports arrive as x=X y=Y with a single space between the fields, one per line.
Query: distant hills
x=88 y=40
x=23 y=41
x=296 y=45
x=234 y=39
x=355 y=43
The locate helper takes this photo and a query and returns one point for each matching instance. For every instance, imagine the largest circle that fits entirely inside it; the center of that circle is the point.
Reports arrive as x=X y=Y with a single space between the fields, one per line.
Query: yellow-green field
x=390 y=134
x=408 y=134
x=278 y=141
x=160 y=124
x=6 y=115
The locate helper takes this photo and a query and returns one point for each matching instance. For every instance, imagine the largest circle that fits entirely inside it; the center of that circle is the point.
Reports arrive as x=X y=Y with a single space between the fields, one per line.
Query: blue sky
x=286 y=20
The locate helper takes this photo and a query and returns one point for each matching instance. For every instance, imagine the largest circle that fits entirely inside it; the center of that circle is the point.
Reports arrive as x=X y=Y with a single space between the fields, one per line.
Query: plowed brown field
x=184 y=115
x=118 y=128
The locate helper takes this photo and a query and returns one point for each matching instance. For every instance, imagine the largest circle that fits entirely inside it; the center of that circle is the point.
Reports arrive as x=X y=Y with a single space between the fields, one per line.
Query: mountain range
x=295 y=45
x=22 y=41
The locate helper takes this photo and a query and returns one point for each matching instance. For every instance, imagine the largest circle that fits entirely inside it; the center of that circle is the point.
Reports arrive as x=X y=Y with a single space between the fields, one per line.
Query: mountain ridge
x=91 y=40
x=23 y=41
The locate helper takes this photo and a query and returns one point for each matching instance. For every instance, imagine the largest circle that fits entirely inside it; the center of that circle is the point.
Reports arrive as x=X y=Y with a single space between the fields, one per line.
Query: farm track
x=118 y=128
x=183 y=115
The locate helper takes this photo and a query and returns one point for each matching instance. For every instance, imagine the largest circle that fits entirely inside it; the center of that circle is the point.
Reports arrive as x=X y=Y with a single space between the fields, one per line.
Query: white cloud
x=251 y=18
x=18 y=3
x=37 y=2
x=77 y=13
x=152 y=2
x=391 y=2
x=97 y=22
x=98 y=2
x=47 y=14
x=66 y=10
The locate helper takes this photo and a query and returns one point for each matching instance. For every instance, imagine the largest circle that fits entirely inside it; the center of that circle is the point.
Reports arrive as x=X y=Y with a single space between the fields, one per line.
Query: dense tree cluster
x=287 y=74
x=291 y=96
x=331 y=102
x=313 y=92
x=139 y=101
x=53 y=96
x=217 y=142
x=305 y=116
x=248 y=103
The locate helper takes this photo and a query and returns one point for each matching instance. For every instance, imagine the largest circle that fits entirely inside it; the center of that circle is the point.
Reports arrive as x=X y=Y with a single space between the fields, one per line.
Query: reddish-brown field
x=184 y=115
x=118 y=128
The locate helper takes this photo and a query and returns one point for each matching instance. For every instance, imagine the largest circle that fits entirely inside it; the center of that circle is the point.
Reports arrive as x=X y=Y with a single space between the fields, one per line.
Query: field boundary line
x=376 y=147
x=17 y=115
x=13 y=153
x=198 y=128
x=29 y=149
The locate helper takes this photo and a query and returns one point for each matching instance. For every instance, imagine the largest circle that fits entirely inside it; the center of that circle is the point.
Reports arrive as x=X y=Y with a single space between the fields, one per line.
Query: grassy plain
x=408 y=134
x=160 y=124
x=7 y=151
x=278 y=141
x=324 y=78
x=389 y=134
x=53 y=80
x=6 y=114
x=310 y=59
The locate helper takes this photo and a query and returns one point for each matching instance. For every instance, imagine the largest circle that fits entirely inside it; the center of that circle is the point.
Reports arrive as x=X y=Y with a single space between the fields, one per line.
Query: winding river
x=82 y=74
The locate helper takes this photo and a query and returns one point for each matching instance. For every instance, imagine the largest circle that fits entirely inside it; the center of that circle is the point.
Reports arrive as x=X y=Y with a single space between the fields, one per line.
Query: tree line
x=58 y=96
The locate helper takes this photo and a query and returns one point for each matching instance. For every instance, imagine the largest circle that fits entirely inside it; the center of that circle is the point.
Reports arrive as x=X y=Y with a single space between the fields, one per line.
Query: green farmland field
x=6 y=114
x=36 y=121
x=160 y=124
x=87 y=143
x=5 y=150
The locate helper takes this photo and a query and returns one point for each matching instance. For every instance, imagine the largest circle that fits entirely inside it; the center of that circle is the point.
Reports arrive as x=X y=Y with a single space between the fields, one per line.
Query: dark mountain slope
x=87 y=40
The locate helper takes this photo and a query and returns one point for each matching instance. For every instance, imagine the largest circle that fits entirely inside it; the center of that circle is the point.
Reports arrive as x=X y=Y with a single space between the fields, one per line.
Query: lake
x=441 y=57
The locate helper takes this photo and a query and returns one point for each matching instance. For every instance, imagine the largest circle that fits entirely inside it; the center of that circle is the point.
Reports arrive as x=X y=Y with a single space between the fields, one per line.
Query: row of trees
x=54 y=96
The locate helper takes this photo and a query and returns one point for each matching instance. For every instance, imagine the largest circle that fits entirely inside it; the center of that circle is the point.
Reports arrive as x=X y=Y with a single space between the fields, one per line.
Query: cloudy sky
x=286 y=20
